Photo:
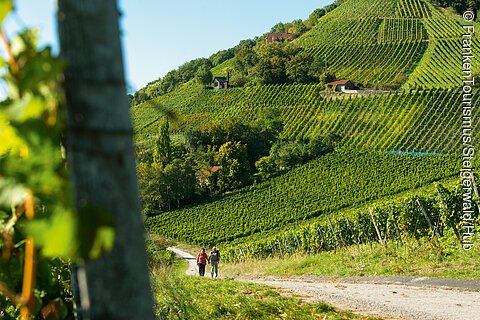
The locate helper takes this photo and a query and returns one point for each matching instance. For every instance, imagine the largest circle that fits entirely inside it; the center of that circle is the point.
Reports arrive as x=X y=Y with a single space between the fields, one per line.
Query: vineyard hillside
x=372 y=42
x=323 y=186
x=414 y=121
x=396 y=138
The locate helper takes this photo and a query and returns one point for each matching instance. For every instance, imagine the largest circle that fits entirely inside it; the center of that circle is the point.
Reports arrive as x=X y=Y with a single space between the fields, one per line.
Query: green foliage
x=230 y=144
x=460 y=6
x=158 y=255
x=299 y=68
x=31 y=166
x=221 y=56
x=174 y=79
x=279 y=27
x=355 y=226
x=298 y=27
x=165 y=187
x=272 y=60
x=287 y=154
x=315 y=15
x=204 y=76
x=258 y=136
x=411 y=121
x=235 y=170
x=245 y=59
x=162 y=150
x=327 y=76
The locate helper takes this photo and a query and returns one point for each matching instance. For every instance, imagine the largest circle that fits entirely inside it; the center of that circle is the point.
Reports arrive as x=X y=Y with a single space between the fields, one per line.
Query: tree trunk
x=100 y=154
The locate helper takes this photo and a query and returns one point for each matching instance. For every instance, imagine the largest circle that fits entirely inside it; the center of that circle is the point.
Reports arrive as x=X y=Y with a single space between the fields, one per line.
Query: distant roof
x=281 y=36
x=334 y=83
x=220 y=79
x=213 y=169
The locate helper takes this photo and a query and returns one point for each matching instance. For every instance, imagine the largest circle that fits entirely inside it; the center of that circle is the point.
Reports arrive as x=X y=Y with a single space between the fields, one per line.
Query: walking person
x=214 y=260
x=202 y=261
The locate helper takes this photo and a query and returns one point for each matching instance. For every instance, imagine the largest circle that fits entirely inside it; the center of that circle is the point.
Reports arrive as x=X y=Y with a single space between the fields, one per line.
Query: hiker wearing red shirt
x=202 y=261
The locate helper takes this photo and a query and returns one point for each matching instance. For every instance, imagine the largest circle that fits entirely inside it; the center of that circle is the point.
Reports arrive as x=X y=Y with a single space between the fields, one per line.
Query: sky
x=159 y=35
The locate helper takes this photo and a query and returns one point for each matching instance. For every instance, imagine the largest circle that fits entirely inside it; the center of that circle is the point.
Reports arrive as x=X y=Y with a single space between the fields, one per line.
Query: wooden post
x=99 y=143
x=298 y=242
x=333 y=231
x=322 y=237
x=424 y=213
x=397 y=231
x=475 y=190
x=357 y=242
x=376 y=228
x=280 y=248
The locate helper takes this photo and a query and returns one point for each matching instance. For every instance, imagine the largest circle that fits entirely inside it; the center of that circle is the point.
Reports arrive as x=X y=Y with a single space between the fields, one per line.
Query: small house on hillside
x=221 y=82
x=281 y=37
x=341 y=85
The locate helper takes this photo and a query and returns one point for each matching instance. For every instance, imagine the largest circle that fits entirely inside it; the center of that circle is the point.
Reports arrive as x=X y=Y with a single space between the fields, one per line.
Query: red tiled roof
x=281 y=36
x=215 y=169
x=334 y=83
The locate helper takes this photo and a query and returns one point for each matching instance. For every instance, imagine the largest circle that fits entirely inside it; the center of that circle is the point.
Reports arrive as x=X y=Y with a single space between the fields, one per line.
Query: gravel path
x=192 y=261
x=415 y=298
x=396 y=301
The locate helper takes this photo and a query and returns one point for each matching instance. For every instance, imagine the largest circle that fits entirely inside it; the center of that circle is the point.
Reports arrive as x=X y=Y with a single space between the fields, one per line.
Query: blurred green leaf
x=85 y=235
x=10 y=141
x=5 y=7
x=103 y=241
x=25 y=42
x=2 y=62
x=56 y=236
x=39 y=69
x=96 y=231
x=29 y=107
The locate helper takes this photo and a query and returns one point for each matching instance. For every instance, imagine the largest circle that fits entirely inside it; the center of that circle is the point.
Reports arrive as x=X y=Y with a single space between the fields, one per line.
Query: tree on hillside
x=235 y=169
x=279 y=27
x=273 y=57
x=327 y=76
x=245 y=44
x=298 y=68
x=460 y=6
x=315 y=15
x=204 y=76
x=180 y=183
x=245 y=60
x=100 y=157
x=162 y=150
x=298 y=27
x=221 y=56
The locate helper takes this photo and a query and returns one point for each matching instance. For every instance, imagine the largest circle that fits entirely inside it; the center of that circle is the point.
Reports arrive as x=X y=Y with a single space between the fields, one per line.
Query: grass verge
x=425 y=257
x=178 y=296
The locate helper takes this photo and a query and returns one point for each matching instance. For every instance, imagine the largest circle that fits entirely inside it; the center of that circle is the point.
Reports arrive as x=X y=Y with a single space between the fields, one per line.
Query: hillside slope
x=369 y=41
x=323 y=186
x=422 y=121
x=375 y=43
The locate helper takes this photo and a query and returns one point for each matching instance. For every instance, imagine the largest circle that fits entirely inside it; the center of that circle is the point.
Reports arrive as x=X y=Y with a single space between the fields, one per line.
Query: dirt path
x=192 y=261
x=419 y=298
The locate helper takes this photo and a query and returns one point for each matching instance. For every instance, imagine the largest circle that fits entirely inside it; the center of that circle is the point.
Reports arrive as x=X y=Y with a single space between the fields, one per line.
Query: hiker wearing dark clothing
x=202 y=261
x=214 y=260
